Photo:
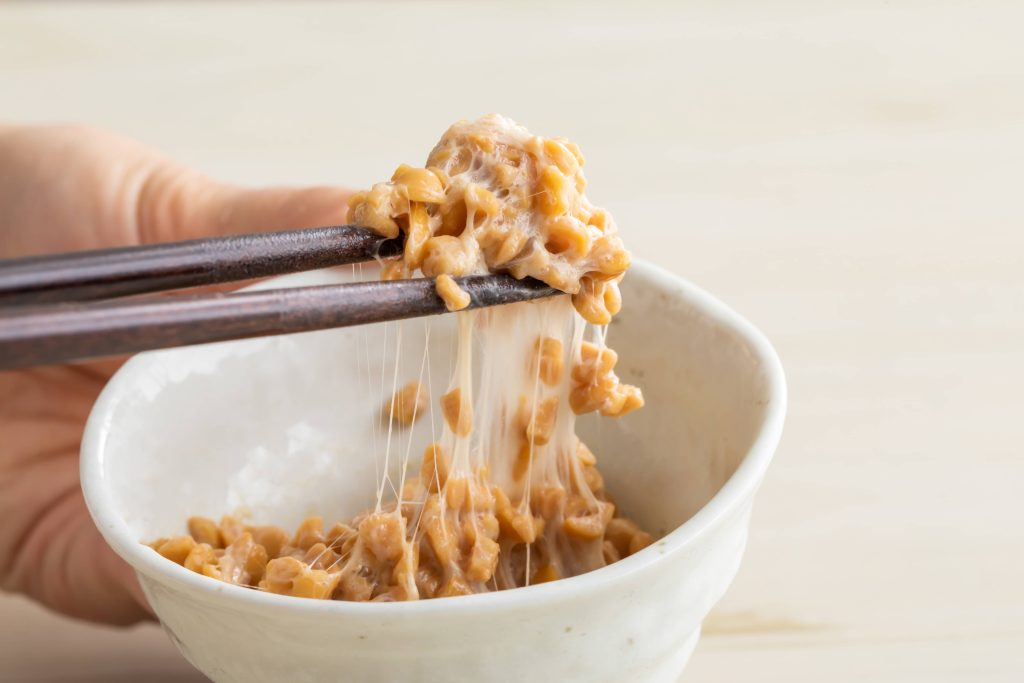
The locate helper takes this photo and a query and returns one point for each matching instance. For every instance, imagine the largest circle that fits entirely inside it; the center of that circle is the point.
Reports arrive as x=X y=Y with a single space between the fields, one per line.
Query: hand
x=65 y=188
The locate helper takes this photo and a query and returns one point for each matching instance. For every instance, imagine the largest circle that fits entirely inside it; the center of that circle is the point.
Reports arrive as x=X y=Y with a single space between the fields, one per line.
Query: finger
x=175 y=203
x=55 y=554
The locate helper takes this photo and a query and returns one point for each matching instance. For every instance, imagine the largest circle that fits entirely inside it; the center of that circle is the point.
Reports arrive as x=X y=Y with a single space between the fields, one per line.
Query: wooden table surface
x=850 y=179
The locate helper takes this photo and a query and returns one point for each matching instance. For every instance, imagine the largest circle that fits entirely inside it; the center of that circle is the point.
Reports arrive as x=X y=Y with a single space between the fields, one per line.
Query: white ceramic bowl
x=282 y=426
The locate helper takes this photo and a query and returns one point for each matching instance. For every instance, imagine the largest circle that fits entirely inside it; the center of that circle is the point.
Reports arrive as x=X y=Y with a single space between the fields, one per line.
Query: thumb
x=176 y=203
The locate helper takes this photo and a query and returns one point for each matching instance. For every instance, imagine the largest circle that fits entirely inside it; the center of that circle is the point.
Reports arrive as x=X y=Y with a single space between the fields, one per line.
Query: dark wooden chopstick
x=60 y=333
x=108 y=273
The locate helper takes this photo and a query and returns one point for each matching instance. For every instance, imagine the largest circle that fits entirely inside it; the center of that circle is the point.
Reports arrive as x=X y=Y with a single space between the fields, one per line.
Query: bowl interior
x=285 y=427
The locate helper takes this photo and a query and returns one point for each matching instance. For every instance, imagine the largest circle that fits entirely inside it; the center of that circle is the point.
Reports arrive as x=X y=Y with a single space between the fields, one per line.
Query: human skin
x=65 y=188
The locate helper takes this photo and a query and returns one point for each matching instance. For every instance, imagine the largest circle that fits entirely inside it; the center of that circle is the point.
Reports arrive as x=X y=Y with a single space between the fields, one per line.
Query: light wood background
x=851 y=178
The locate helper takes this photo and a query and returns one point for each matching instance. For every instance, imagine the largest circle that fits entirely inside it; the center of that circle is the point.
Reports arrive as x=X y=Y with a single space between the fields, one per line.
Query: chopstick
x=61 y=333
x=108 y=273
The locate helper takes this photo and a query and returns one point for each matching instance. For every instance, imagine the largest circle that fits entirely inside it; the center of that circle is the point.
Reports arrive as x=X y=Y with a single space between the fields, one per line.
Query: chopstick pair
x=52 y=308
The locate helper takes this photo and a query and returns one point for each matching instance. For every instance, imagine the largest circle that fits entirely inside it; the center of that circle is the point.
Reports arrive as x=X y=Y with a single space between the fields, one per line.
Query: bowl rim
x=734 y=492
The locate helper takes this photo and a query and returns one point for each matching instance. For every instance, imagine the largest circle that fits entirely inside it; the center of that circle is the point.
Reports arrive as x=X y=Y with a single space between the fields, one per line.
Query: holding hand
x=67 y=188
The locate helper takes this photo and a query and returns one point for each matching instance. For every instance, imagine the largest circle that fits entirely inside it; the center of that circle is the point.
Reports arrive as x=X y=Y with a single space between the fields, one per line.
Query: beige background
x=849 y=178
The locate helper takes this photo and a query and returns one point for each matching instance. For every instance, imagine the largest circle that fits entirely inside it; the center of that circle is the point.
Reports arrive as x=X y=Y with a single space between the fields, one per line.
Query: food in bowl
x=508 y=495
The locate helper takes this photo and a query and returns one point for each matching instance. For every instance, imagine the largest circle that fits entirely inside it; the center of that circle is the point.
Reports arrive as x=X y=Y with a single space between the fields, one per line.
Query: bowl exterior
x=586 y=628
